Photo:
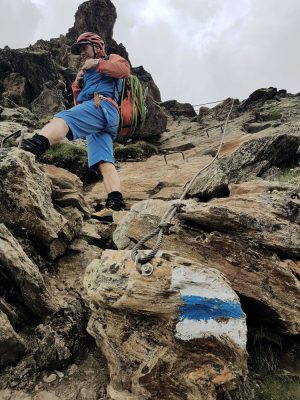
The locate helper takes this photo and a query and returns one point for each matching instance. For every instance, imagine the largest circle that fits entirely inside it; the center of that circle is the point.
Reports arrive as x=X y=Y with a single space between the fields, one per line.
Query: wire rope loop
x=142 y=260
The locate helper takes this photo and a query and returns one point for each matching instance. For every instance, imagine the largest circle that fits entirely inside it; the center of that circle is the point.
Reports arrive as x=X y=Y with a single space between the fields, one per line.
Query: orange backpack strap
x=98 y=97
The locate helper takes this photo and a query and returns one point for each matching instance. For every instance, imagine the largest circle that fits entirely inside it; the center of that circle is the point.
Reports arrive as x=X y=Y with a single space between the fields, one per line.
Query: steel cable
x=171 y=211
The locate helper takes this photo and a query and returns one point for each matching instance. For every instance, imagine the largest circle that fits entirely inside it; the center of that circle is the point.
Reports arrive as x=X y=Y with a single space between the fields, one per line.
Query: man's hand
x=90 y=63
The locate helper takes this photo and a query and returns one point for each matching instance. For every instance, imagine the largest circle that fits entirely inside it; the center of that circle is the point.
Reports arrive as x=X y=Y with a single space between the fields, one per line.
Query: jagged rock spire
x=94 y=16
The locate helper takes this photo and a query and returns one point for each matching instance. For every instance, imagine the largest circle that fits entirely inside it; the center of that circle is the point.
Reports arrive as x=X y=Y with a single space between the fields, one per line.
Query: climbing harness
x=142 y=263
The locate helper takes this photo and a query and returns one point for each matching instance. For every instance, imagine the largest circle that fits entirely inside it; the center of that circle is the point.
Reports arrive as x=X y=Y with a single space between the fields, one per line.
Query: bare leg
x=111 y=179
x=55 y=130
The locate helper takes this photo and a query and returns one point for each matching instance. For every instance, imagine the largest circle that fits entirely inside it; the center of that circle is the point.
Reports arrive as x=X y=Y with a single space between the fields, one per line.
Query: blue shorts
x=98 y=125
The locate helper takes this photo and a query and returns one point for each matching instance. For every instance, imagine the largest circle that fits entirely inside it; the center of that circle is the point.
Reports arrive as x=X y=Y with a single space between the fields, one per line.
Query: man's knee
x=106 y=167
x=61 y=123
x=55 y=130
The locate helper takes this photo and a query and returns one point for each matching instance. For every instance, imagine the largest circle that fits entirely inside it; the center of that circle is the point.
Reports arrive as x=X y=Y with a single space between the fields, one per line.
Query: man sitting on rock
x=95 y=116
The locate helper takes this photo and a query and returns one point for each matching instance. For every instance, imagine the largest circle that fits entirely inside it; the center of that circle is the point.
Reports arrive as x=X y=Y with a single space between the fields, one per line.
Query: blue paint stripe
x=204 y=308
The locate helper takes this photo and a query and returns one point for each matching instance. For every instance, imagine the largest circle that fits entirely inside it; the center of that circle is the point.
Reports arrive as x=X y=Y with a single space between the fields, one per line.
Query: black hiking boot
x=36 y=145
x=114 y=202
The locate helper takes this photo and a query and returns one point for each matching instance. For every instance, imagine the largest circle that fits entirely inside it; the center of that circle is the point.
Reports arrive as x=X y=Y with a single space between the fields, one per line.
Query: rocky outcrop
x=12 y=347
x=16 y=88
x=67 y=189
x=95 y=16
x=50 y=100
x=260 y=96
x=147 y=82
x=255 y=158
x=20 y=69
x=178 y=109
x=27 y=285
x=155 y=124
x=169 y=334
x=61 y=337
x=26 y=204
x=179 y=333
x=250 y=237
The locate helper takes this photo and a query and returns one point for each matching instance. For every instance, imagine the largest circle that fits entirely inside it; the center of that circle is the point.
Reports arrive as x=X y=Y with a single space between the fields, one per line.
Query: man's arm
x=116 y=67
x=76 y=85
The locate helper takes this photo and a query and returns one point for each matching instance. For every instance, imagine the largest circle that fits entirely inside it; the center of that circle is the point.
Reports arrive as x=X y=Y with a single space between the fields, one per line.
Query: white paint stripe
x=194 y=281
x=234 y=329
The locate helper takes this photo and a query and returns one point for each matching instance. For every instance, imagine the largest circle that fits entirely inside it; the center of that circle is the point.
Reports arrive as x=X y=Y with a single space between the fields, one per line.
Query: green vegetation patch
x=290 y=175
x=267 y=380
x=134 y=151
x=72 y=157
x=273 y=115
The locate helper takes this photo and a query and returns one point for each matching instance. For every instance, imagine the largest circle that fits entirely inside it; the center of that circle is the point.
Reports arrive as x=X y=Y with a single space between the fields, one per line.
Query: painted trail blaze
x=203 y=308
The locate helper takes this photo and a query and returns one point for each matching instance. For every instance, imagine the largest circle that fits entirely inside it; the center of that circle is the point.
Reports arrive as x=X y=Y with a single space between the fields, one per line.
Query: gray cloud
x=196 y=50
x=19 y=21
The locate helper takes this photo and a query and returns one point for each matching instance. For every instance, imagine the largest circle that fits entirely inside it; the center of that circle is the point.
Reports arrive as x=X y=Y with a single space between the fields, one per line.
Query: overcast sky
x=196 y=50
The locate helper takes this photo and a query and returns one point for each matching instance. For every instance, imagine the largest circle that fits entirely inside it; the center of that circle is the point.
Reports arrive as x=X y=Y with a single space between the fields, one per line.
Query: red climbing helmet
x=88 y=38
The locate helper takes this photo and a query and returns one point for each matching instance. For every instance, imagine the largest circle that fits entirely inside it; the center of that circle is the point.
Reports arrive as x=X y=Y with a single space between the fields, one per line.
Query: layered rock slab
x=26 y=203
x=12 y=347
x=252 y=237
x=179 y=333
x=23 y=276
x=253 y=159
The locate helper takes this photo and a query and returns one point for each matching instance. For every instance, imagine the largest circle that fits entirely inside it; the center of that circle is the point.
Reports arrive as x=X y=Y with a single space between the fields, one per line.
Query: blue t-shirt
x=98 y=82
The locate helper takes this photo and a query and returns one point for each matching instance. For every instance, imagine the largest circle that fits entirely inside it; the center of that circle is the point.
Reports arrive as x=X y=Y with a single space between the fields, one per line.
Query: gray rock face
x=62 y=336
x=12 y=347
x=210 y=184
x=26 y=203
x=255 y=157
x=147 y=81
x=156 y=122
x=67 y=188
x=260 y=96
x=49 y=101
x=179 y=109
x=16 y=89
x=251 y=160
x=26 y=71
x=24 y=275
x=252 y=237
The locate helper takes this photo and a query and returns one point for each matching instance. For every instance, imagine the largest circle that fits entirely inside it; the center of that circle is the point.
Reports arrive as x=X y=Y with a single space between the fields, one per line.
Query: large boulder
x=156 y=122
x=250 y=237
x=26 y=204
x=178 y=333
x=12 y=347
x=22 y=282
x=253 y=159
x=177 y=109
x=67 y=188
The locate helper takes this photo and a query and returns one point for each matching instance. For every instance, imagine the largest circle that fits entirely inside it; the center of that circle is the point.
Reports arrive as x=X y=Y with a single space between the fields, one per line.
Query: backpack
x=132 y=107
